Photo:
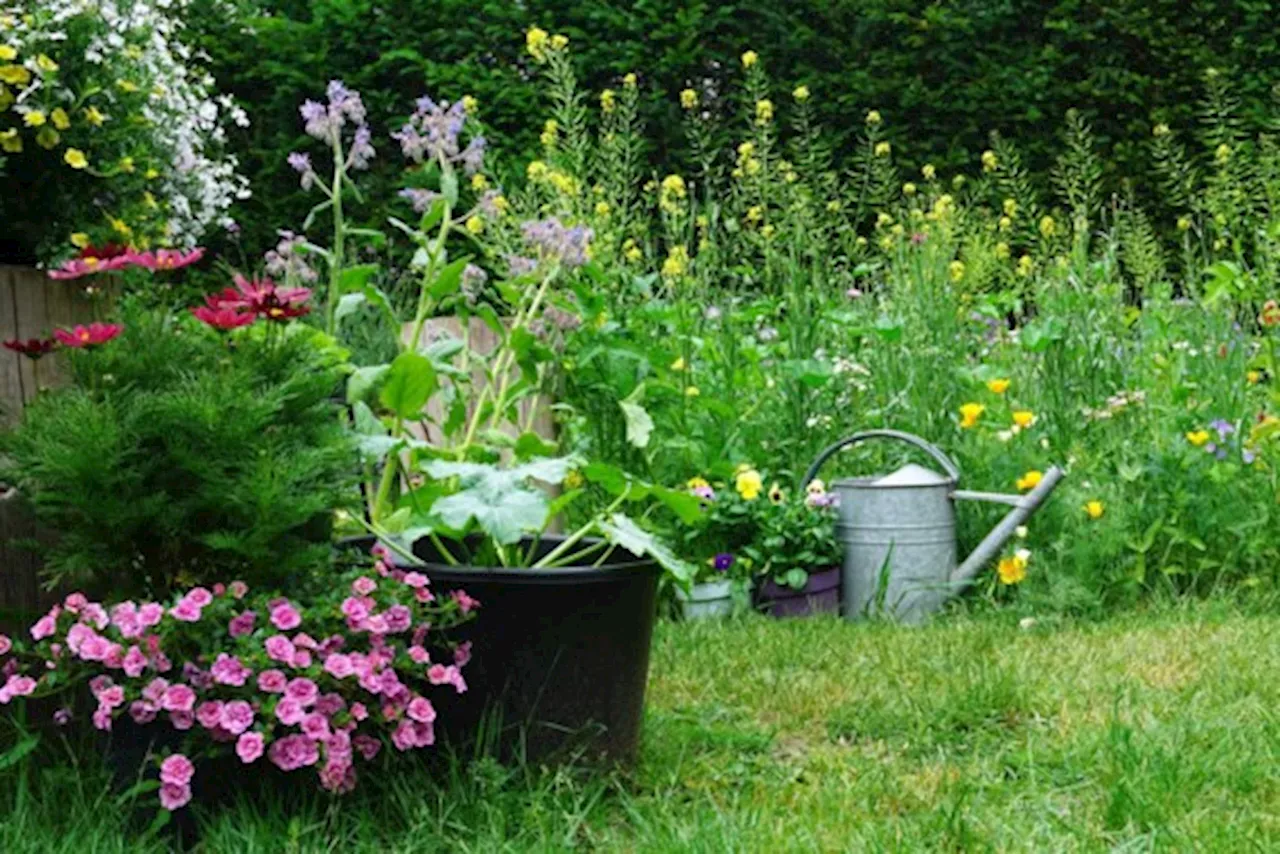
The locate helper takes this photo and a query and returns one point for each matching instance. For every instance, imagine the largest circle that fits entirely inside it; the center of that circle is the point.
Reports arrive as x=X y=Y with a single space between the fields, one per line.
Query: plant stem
x=577 y=535
x=339 y=236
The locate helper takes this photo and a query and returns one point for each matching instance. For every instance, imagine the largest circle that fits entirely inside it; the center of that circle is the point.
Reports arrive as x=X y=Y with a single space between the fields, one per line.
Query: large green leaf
x=620 y=530
x=504 y=512
x=409 y=385
x=363 y=380
x=448 y=280
x=639 y=422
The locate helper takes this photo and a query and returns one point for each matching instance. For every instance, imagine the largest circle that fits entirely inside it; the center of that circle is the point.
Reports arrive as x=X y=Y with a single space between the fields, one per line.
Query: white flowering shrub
x=110 y=128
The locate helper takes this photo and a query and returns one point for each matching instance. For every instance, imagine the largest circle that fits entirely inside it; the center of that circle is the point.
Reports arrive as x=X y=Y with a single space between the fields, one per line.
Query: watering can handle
x=953 y=471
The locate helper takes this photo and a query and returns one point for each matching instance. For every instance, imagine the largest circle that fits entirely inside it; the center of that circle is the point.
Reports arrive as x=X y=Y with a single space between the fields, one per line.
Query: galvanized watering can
x=899 y=532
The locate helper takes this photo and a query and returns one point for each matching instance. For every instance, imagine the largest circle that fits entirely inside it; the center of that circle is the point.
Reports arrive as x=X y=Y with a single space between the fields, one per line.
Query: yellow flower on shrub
x=800 y=93
x=1184 y=223
x=1010 y=207
x=1198 y=437
x=34 y=118
x=8 y=52
x=929 y=171
x=908 y=189
x=676 y=263
x=999 y=385
x=75 y=158
x=1005 y=223
x=602 y=208
x=1013 y=570
x=970 y=413
x=1094 y=509
x=1047 y=227
x=956 y=269
x=60 y=119
x=608 y=100
x=550 y=133
x=631 y=251
x=678 y=364
x=689 y=99
x=755 y=213
x=673 y=191
x=14 y=75
x=479 y=182
x=94 y=117
x=1026 y=265
x=989 y=161
x=1223 y=153
x=126 y=164
x=1030 y=480
x=750 y=58
x=874 y=118
x=1002 y=251
x=535 y=41
x=748 y=483
x=470 y=104
x=764 y=111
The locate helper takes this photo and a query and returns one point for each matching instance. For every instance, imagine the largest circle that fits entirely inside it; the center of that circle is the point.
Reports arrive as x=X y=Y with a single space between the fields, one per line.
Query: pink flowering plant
x=321 y=682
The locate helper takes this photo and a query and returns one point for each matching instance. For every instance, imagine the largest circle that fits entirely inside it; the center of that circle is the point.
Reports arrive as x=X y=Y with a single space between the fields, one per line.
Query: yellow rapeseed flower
x=1030 y=480
x=470 y=104
x=559 y=41
x=999 y=385
x=602 y=208
x=800 y=93
x=75 y=158
x=989 y=161
x=748 y=483
x=1047 y=227
x=688 y=99
x=755 y=213
x=1010 y=207
x=1198 y=437
x=767 y=230
x=1161 y=129
x=475 y=224
x=956 y=269
x=1024 y=418
x=970 y=413
x=764 y=111
x=908 y=189
x=629 y=80
x=1002 y=251
x=746 y=149
x=34 y=118
x=608 y=100
x=750 y=58
x=1223 y=153
x=676 y=263
x=678 y=364
x=874 y=117
x=1026 y=265
x=883 y=149
x=1094 y=509
x=479 y=182
x=536 y=170
x=929 y=171
x=535 y=41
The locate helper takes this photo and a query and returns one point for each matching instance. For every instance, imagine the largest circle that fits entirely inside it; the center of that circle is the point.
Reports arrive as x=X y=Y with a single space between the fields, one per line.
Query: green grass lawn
x=1156 y=731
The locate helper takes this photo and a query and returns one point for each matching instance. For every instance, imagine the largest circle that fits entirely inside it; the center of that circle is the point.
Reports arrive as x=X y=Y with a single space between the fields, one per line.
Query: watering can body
x=899 y=533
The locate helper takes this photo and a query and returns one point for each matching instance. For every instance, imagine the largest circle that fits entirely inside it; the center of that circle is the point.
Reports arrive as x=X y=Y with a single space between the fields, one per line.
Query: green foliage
x=180 y=456
x=943 y=75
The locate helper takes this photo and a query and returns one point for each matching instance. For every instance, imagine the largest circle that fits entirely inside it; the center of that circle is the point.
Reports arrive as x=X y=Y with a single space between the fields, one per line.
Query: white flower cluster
x=185 y=120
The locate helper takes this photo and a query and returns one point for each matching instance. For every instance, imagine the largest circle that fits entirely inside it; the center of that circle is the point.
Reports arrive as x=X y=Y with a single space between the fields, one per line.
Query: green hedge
x=943 y=74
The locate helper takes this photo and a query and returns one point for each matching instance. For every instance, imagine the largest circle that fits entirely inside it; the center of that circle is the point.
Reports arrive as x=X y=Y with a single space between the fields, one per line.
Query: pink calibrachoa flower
x=462 y=655
x=279 y=648
x=237 y=589
x=155 y=690
x=142 y=712
x=45 y=627
x=420 y=709
x=465 y=602
x=302 y=690
x=293 y=752
x=174 y=797
x=290 y=711
x=151 y=614
x=363 y=586
x=330 y=704
x=316 y=725
x=339 y=666
x=102 y=718
x=367 y=745
x=75 y=601
x=355 y=609
x=249 y=747
x=416 y=579
x=237 y=716
x=5 y=644
x=359 y=712
x=228 y=670
x=200 y=596
x=242 y=624
x=419 y=655
x=285 y=617
x=178 y=698
x=399 y=618
x=112 y=697
x=95 y=615
x=186 y=611
x=182 y=720
x=177 y=770
x=272 y=681
x=209 y=714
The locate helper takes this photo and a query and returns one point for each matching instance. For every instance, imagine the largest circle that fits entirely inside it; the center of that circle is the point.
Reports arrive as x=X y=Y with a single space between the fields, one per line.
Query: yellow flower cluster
x=689 y=99
x=676 y=263
x=608 y=101
x=541 y=45
x=989 y=161
x=764 y=111
x=749 y=59
x=672 y=193
x=550 y=133
x=801 y=94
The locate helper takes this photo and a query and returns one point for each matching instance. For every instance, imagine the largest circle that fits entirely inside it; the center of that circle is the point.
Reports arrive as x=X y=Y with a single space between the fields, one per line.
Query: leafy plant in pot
x=457 y=481
x=796 y=553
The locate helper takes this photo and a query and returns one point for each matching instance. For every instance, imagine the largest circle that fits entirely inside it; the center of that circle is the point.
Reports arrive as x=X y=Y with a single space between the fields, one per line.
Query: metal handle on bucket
x=932 y=450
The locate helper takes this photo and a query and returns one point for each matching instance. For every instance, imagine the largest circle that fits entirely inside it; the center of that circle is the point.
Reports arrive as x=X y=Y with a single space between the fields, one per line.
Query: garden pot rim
x=524 y=575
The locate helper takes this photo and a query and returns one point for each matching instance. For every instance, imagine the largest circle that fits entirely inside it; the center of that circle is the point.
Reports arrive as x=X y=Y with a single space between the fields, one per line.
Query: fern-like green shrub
x=181 y=455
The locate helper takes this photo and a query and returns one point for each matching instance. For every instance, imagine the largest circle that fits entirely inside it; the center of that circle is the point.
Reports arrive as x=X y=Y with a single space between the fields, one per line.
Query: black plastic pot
x=560 y=657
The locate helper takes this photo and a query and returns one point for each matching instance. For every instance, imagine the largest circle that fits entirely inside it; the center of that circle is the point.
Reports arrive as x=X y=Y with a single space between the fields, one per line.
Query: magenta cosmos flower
x=166 y=259
x=262 y=297
x=88 y=337
x=32 y=348
x=93 y=260
x=223 y=318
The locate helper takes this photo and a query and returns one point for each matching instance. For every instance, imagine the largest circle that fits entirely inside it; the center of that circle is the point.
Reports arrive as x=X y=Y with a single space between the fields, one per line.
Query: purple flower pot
x=821 y=595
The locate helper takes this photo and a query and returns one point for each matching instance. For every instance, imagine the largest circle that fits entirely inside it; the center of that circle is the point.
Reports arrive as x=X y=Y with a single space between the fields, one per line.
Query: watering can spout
x=1023 y=507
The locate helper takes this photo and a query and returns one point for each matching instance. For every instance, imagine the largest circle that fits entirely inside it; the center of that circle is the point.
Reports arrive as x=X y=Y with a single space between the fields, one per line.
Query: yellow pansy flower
x=776 y=495
x=748 y=484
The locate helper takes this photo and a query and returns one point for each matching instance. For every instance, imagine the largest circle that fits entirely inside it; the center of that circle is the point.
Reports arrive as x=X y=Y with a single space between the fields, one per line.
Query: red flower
x=262 y=297
x=32 y=348
x=166 y=259
x=223 y=318
x=83 y=337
